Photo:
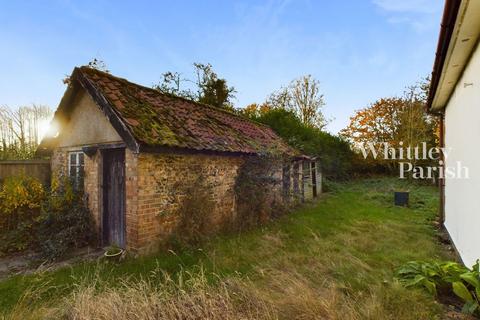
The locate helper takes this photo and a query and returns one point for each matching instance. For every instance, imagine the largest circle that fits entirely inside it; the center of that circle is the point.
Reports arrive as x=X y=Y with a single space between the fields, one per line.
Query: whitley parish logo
x=408 y=156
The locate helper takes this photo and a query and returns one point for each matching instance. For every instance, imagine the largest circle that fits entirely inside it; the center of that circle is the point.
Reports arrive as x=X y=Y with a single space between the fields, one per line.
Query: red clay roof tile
x=157 y=119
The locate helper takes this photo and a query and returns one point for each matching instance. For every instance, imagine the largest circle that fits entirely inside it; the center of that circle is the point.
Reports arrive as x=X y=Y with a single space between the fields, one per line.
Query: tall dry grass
x=188 y=296
x=275 y=294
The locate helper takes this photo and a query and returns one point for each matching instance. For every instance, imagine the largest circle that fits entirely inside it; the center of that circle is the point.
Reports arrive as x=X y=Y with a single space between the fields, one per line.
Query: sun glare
x=43 y=128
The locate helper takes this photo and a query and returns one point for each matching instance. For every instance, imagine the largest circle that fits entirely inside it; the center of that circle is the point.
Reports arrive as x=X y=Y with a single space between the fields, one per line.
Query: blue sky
x=360 y=50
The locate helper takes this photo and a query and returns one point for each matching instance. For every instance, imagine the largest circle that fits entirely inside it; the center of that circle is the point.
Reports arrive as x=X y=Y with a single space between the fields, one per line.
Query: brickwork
x=92 y=177
x=59 y=162
x=131 y=199
x=157 y=184
x=162 y=181
x=92 y=182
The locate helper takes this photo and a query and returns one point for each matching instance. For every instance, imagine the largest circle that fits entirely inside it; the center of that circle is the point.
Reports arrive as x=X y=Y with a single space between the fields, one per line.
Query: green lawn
x=333 y=259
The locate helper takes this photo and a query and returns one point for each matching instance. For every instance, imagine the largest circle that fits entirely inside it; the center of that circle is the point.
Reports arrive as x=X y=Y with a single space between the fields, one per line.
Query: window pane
x=72 y=171
x=73 y=159
x=76 y=168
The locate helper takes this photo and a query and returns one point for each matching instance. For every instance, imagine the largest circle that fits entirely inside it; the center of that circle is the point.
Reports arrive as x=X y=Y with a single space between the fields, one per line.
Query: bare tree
x=303 y=97
x=20 y=130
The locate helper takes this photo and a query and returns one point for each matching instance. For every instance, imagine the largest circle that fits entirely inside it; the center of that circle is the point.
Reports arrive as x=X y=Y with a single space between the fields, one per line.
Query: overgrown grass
x=334 y=259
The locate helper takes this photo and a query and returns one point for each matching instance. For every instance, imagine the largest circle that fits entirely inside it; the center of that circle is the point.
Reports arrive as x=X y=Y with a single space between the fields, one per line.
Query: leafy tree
x=334 y=153
x=254 y=110
x=417 y=126
x=398 y=121
x=303 y=97
x=377 y=123
x=207 y=88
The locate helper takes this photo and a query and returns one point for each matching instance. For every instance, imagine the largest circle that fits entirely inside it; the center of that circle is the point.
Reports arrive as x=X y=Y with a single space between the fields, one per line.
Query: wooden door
x=113 y=222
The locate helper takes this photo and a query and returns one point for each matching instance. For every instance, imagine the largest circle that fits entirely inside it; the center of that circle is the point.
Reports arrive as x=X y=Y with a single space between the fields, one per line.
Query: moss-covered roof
x=156 y=119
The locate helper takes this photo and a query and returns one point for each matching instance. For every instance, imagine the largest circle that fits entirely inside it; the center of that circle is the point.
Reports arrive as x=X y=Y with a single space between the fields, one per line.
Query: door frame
x=104 y=236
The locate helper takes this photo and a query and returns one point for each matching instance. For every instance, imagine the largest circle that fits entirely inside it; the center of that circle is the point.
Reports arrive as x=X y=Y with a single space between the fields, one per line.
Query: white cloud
x=421 y=15
x=414 y=6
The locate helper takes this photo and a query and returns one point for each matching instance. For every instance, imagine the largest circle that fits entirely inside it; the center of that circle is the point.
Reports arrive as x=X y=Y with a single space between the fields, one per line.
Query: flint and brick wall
x=163 y=181
x=92 y=178
x=156 y=186
x=92 y=182
x=132 y=200
x=59 y=162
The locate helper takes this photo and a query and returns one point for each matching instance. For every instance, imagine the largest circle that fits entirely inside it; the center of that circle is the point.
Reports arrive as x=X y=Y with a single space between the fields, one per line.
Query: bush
x=64 y=223
x=48 y=222
x=20 y=203
x=335 y=154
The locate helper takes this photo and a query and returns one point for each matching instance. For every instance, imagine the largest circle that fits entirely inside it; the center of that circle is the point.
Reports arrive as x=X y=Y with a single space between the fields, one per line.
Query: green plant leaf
x=461 y=291
x=415 y=281
x=430 y=286
x=476 y=266
x=471 y=278
x=477 y=292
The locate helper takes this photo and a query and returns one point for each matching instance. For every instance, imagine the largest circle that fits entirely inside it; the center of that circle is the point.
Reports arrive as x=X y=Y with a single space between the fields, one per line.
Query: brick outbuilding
x=134 y=151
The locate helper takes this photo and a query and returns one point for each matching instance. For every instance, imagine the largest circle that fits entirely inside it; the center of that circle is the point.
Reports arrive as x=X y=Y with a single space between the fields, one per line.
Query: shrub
x=335 y=154
x=46 y=221
x=20 y=202
x=447 y=278
x=64 y=223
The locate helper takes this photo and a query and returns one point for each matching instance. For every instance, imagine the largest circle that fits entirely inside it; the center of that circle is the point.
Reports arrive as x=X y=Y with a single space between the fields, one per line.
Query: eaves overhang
x=459 y=35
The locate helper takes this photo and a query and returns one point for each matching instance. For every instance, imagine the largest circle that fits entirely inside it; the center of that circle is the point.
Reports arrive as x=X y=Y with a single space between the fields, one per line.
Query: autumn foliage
x=398 y=121
x=376 y=123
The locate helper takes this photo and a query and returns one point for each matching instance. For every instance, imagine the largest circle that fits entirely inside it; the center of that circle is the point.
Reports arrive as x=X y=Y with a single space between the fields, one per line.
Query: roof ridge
x=171 y=95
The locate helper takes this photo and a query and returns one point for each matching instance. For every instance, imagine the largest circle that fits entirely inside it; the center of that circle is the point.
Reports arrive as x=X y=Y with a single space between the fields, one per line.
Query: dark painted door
x=113 y=223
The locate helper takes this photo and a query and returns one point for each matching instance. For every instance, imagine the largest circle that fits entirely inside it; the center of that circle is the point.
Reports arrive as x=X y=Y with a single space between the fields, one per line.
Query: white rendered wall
x=462 y=137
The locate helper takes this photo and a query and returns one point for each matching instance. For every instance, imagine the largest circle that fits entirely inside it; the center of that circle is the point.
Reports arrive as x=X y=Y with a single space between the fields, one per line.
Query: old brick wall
x=92 y=182
x=162 y=182
x=156 y=186
x=58 y=162
x=131 y=199
x=92 y=177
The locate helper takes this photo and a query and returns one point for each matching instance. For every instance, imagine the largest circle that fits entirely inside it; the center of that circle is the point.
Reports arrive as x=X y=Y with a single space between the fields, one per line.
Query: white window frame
x=79 y=168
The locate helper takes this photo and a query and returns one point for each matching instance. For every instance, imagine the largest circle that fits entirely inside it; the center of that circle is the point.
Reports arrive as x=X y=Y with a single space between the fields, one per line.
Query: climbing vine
x=256 y=187
x=196 y=213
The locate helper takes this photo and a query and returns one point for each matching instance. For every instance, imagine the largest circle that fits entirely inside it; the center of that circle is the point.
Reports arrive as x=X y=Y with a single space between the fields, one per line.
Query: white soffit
x=464 y=39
